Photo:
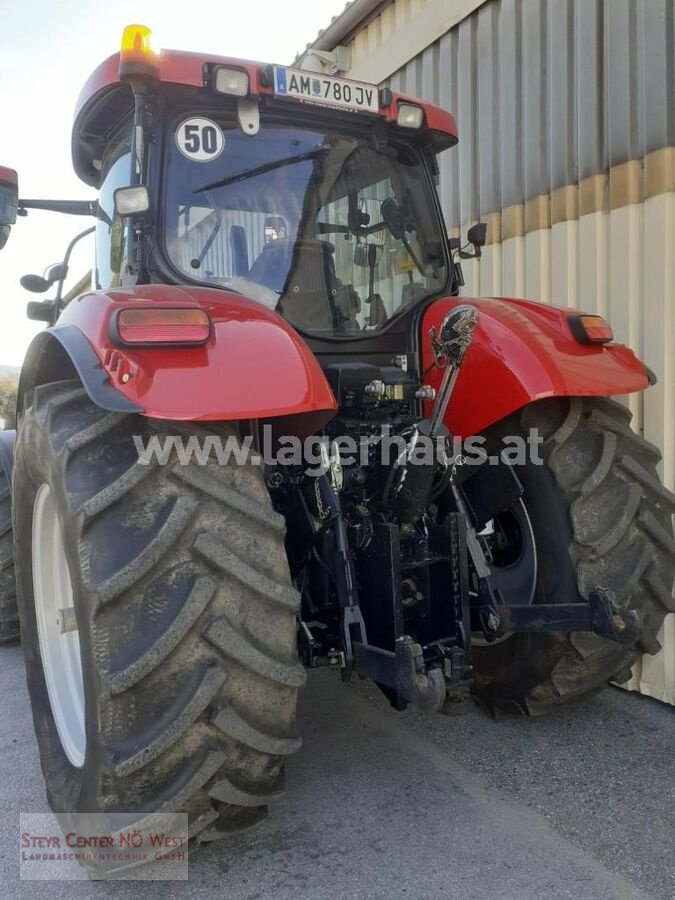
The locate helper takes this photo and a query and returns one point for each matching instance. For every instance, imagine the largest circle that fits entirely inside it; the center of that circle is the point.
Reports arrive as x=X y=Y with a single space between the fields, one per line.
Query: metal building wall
x=566 y=116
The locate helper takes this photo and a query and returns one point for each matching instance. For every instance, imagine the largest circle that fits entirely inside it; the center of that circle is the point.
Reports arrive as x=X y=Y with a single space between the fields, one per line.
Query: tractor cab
x=314 y=221
x=310 y=194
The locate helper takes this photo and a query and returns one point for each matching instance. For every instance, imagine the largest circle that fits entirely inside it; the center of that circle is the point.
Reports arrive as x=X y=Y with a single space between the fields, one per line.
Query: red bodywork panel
x=524 y=351
x=179 y=67
x=8 y=176
x=254 y=366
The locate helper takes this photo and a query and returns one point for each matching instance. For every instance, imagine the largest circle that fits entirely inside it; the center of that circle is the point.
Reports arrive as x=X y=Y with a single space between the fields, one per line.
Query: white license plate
x=325 y=89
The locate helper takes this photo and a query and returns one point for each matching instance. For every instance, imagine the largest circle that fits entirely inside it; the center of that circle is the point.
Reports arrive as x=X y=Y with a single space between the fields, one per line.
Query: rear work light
x=591 y=329
x=410 y=116
x=171 y=327
x=234 y=82
x=131 y=201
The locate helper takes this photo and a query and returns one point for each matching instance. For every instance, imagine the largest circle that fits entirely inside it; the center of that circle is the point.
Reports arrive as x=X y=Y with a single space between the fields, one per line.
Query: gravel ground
x=390 y=805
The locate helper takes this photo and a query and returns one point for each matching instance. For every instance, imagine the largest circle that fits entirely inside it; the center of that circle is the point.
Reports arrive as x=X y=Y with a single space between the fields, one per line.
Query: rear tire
x=600 y=517
x=185 y=613
x=9 y=614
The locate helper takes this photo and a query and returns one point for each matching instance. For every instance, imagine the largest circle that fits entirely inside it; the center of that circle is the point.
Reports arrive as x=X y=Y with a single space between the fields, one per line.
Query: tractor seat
x=304 y=272
x=273 y=265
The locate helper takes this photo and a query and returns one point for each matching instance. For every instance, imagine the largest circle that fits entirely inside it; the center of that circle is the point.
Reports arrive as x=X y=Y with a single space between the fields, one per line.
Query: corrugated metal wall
x=566 y=116
x=548 y=93
x=565 y=111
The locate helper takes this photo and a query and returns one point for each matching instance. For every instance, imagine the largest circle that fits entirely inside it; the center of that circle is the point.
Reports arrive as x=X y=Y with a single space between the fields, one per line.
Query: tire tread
x=165 y=674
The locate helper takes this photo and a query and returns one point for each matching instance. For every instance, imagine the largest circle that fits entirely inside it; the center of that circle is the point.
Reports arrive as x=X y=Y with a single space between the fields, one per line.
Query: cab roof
x=105 y=101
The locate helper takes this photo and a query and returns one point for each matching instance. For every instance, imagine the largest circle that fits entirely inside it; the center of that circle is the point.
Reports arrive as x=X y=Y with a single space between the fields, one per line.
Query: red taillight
x=591 y=329
x=162 y=326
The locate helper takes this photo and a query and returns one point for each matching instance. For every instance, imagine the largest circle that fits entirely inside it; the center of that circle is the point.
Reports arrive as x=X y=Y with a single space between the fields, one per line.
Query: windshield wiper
x=198 y=260
x=261 y=170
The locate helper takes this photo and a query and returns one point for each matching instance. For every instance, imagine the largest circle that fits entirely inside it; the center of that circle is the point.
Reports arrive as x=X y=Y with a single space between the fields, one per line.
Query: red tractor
x=272 y=437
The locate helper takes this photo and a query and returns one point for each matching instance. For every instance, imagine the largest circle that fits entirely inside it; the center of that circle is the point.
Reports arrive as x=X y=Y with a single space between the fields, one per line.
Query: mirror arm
x=66 y=261
x=70 y=207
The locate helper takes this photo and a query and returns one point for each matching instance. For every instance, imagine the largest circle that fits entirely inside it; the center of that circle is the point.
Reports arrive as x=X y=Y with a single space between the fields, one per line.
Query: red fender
x=524 y=351
x=254 y=366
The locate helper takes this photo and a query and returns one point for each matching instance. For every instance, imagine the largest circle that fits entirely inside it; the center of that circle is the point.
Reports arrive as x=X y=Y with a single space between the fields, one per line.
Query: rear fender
x=254 y=366
x=521 y=352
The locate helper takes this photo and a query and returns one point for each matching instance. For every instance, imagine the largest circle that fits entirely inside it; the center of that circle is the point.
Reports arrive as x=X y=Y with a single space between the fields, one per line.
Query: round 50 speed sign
x=200 y=139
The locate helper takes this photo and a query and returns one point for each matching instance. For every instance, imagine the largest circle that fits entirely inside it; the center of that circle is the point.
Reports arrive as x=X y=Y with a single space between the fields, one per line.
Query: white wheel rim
x=60 y=651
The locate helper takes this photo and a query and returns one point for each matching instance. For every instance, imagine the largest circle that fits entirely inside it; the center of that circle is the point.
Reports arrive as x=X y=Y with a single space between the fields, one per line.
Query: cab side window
x=111 y=231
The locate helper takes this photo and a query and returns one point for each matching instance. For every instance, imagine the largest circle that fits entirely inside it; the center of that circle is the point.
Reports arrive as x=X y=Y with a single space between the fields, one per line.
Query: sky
x=47 y=50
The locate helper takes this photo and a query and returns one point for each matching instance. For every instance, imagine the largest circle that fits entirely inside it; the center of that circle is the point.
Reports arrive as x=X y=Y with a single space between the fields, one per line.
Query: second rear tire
x=600 y=517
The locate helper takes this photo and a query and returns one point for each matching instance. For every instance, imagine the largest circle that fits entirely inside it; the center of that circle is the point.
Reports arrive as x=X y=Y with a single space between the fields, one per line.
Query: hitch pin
x=308 y=633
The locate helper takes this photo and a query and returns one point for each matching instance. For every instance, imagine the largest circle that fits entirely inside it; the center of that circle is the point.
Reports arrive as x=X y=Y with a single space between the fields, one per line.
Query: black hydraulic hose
x=344 y=576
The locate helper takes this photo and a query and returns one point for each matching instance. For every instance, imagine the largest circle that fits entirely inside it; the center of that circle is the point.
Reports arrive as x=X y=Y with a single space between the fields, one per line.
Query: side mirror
x=36 y=284
x=56 y=272
x=477 y=234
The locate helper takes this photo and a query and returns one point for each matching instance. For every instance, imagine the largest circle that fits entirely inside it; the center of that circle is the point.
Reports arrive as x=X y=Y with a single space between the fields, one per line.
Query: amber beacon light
x=137 y=56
